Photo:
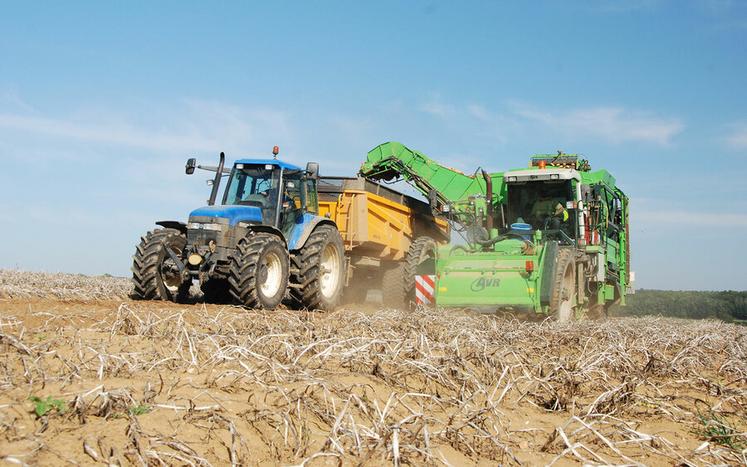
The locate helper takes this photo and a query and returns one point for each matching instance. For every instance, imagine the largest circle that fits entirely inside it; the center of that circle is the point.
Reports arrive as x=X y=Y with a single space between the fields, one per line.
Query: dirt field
x=122 y=382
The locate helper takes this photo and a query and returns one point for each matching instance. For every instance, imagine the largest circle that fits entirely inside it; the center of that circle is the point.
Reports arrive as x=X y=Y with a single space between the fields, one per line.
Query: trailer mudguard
x=303 y=228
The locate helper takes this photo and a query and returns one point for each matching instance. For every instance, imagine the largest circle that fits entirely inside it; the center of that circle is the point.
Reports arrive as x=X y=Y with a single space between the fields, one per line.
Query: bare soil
x=159 y=384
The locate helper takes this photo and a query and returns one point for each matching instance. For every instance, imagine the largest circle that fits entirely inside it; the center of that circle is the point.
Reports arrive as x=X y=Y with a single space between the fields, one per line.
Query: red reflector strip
x=529 y=266
x=425 y=289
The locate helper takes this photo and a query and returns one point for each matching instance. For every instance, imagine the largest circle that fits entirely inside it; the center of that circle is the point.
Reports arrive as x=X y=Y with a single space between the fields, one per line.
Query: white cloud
x=737 y=139
x=192 y=126
x=612 y=124
x=437 y=108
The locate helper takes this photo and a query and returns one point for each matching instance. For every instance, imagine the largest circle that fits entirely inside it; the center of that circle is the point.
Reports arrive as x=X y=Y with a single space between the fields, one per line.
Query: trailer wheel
x=155 y=276
x=393 y=287
x=564 y=298
x=319 y=270
x=216 y=291
x=420 y=250
x=258 y=274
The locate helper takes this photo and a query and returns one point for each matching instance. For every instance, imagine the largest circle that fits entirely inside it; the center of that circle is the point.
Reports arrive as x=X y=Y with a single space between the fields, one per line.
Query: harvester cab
x=262 y=241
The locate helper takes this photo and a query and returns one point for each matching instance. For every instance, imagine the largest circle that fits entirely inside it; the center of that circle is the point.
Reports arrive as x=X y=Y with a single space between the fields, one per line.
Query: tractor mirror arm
x=212 y=168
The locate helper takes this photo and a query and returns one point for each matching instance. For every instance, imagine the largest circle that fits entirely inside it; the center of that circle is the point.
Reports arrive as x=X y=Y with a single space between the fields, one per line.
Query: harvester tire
x=564 y=292
x=154 y=276
x=258 y=273
x=393 y=288
x=216 y=291
x=420 y=250
x=318 y=274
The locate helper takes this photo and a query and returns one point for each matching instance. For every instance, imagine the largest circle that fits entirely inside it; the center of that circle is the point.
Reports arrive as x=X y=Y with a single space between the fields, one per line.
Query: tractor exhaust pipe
x=489 y=201
x=216 y=180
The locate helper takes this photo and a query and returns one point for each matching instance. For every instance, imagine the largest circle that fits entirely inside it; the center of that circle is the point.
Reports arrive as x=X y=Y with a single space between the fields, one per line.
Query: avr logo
x=482 y=283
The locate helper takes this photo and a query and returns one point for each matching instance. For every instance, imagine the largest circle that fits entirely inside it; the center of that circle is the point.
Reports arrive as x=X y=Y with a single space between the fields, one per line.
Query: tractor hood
x=226 y=214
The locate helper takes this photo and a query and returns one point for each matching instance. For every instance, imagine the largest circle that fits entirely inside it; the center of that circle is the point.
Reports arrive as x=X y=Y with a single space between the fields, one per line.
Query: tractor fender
x=303 y=228
x=266 y=229
x=180 y=226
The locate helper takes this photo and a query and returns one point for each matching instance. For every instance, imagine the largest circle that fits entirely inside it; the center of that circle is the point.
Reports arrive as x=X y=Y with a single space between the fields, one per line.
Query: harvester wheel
x=216 y=291
x=319 y=270
x=258 y=275
x=564 y=298
x=155 y=276
x=420 y=250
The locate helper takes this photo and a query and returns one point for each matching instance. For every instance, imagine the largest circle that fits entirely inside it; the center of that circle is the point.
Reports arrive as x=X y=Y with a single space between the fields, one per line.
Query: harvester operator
x=559 y=218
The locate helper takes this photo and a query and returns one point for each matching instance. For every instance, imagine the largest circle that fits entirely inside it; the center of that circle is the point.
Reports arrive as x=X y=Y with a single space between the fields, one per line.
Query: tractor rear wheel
x=258 y=274
x=564 y=300
x=319 y=270
x=155 y=276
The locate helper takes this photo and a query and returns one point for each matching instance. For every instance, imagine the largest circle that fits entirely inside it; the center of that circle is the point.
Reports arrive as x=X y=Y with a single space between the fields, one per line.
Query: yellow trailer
x=386 y=235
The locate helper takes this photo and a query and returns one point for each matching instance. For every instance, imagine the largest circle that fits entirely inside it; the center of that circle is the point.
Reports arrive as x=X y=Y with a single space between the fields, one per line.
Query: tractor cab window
x=293 y=201
x=312 y=201
x=536 y=203
x=255 y=185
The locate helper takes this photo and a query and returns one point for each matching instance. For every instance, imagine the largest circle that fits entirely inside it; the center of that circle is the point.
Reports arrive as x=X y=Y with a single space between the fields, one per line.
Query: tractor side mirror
x=189 y=169
x=312 y=170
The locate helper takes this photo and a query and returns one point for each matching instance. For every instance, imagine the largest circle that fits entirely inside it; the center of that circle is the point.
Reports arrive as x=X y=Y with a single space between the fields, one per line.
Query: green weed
x=718 y=430
x=139 y=409
x=43 y=406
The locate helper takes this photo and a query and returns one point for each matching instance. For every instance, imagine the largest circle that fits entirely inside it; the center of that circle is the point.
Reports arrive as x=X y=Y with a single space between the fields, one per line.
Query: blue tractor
x=263 y=244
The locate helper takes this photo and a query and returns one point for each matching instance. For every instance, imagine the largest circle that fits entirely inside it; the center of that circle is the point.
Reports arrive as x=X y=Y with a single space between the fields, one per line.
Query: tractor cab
x=266 y=192
x=275 y=193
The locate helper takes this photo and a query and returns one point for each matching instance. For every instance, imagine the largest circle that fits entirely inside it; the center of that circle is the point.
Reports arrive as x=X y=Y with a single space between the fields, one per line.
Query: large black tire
x=393 y=287
x=154 y=276
x=398 y=281
x=319 y=270
x=564 y=292
x=216 y=291
x=258 y=274
x=420 y=250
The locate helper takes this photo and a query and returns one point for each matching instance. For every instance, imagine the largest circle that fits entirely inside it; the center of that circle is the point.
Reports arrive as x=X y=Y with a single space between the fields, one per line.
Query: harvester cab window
x=254 y=185
x=535 y=203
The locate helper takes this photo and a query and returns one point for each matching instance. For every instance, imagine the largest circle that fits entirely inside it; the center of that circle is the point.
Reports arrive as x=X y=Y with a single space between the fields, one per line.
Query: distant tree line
x=726 y=305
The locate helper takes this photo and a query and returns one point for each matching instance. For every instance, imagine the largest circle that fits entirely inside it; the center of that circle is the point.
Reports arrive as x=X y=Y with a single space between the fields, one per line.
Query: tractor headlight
x=198 y=226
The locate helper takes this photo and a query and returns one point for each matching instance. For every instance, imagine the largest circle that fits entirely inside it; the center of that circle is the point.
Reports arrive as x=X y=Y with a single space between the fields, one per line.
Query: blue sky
x=101 y=103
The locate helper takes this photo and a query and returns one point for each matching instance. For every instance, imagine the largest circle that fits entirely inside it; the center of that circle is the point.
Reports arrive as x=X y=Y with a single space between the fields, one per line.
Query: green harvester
x=551 y=239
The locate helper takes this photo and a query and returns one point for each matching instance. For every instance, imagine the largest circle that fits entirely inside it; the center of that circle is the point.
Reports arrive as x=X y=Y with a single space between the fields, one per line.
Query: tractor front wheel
x=155 y=275
x=258 y=275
